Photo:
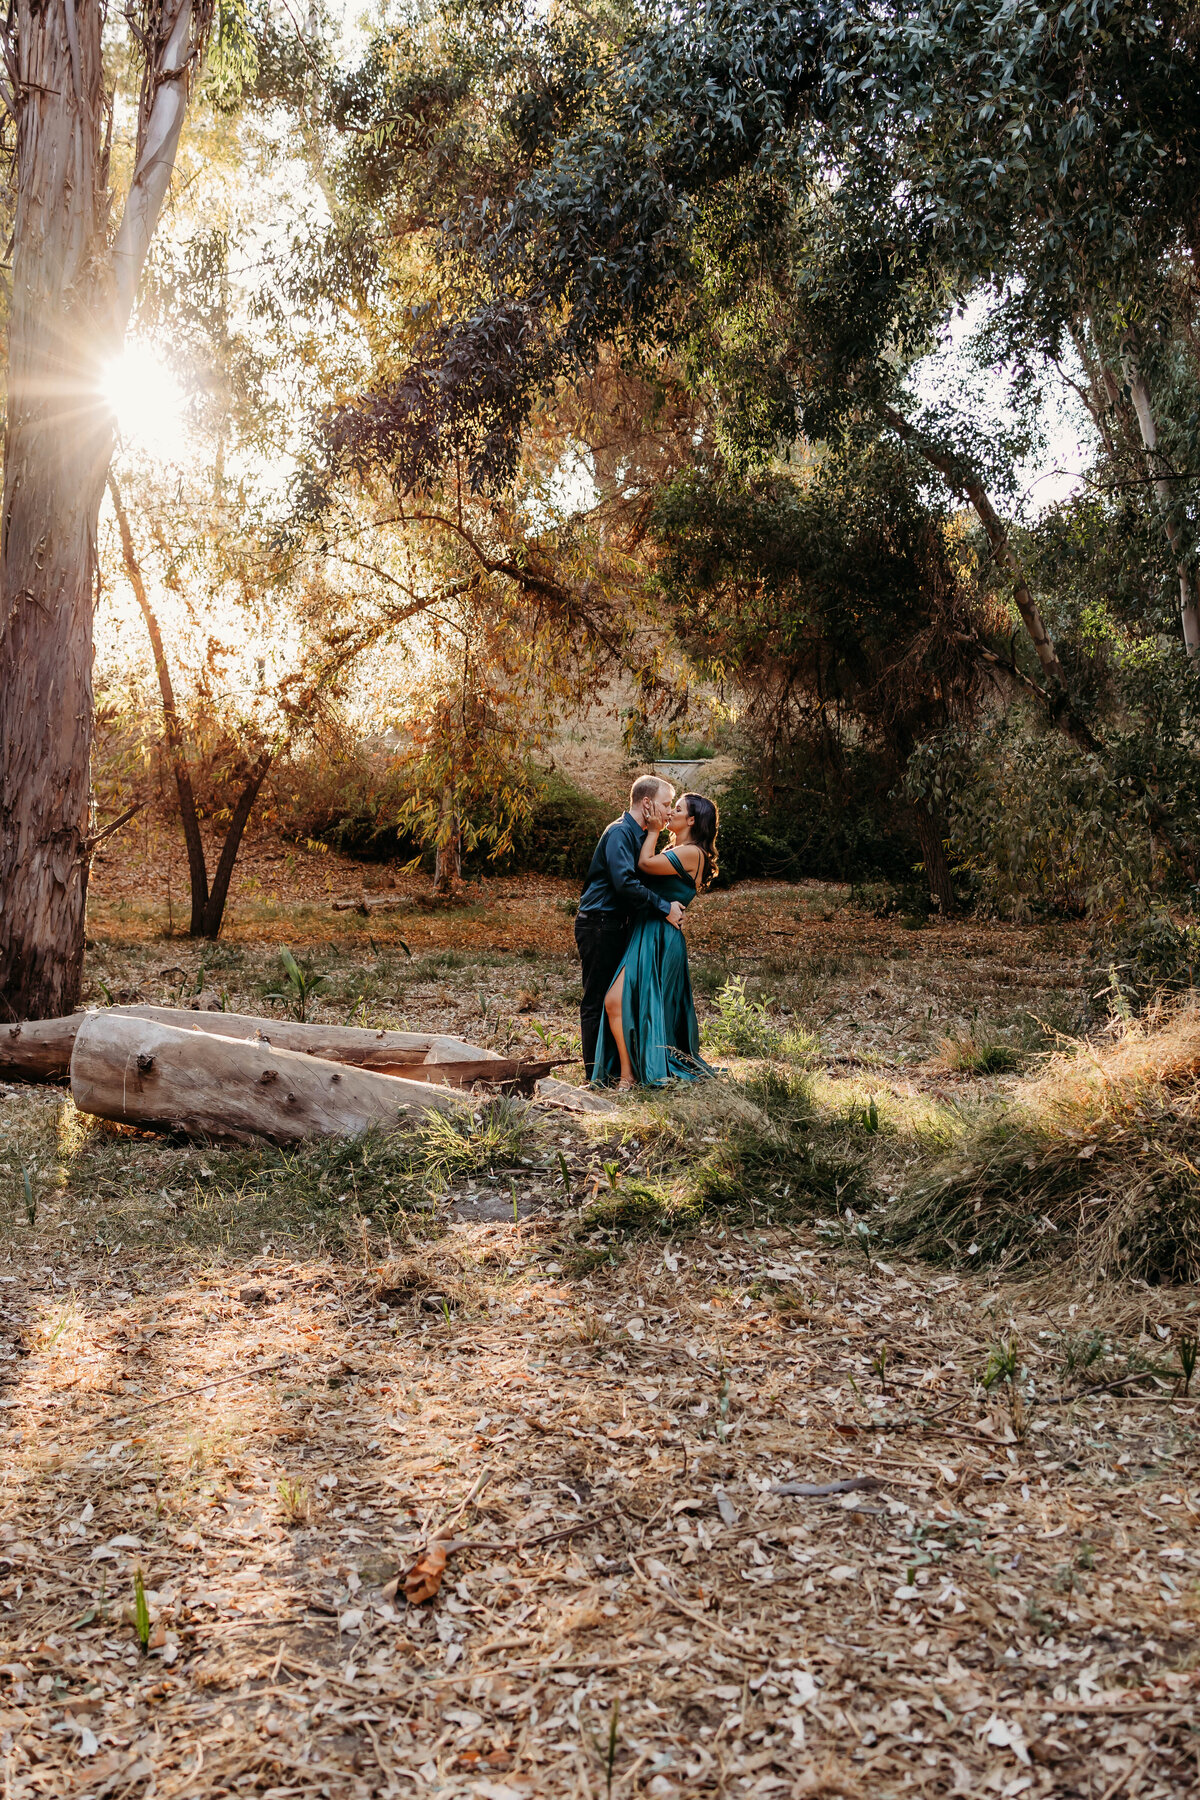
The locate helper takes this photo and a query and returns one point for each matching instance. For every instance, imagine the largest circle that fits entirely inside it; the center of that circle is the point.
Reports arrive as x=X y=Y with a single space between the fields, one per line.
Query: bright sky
x=952 y=377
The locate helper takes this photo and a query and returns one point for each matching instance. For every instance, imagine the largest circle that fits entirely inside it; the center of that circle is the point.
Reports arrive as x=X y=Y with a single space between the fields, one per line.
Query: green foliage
x=560 y=832
x=463 y=1142
x=742 y=1026
x=808 y=821
x=303 y=986
x=1003 y=1364
x=769 y=1161
x=141 y=1612
x=368 y=814
x=231 y=62
x=1151 y=956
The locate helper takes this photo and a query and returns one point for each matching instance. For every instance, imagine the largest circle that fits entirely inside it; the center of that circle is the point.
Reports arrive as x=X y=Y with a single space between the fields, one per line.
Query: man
x=612 y=894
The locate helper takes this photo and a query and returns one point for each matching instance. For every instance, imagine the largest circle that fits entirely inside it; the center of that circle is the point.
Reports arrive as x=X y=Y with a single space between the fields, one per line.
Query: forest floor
x=260 y=1386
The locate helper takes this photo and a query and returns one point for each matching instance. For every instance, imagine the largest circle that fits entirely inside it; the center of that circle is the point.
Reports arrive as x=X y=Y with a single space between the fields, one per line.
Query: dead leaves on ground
x=424 y=1579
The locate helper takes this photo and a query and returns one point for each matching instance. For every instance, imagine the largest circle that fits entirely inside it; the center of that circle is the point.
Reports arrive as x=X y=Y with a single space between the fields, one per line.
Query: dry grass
x=1093 y=1160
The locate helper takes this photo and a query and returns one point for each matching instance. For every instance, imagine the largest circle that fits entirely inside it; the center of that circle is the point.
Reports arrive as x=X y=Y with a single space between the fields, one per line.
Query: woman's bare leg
x=612 y=1012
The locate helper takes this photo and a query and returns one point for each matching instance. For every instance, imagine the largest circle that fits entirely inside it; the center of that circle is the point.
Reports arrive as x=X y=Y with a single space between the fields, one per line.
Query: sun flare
x=148 y=402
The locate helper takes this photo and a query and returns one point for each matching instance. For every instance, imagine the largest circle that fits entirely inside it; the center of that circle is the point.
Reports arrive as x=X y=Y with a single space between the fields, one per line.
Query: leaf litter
x=743 y=1512
x=695 y=1510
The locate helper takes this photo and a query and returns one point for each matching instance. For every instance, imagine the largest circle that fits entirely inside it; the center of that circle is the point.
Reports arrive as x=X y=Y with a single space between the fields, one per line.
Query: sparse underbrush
x=744 y=1026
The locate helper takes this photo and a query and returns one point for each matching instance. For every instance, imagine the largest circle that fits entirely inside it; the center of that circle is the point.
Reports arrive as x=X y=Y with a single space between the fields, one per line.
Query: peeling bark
x=71 y=301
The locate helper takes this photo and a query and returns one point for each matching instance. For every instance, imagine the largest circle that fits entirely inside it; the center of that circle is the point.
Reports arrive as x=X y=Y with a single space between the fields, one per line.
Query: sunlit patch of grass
x=751 y=1151
x=972 y=1055
x=1094 y=1161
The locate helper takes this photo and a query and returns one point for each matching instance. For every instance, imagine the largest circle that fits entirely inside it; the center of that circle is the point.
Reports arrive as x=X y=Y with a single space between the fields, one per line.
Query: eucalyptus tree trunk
x=1139 y=394
x=71 y=301
x=57 y=446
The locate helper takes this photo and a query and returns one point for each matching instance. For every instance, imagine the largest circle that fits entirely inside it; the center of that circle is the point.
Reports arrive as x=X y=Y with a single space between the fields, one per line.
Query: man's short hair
x=647 y=787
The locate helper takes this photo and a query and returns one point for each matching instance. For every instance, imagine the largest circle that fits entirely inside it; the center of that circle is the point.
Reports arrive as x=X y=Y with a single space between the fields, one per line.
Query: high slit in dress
x=657 y=1012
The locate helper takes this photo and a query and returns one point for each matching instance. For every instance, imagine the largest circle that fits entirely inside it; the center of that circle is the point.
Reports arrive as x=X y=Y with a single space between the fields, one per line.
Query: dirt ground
x=255 y=1391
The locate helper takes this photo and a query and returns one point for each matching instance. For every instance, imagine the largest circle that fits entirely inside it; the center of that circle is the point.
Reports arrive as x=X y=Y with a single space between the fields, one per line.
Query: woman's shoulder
x=689 y=856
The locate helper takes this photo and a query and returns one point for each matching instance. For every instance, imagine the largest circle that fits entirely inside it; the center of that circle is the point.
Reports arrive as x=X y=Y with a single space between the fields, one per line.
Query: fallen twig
x=186 y=1393
x=819 y=1490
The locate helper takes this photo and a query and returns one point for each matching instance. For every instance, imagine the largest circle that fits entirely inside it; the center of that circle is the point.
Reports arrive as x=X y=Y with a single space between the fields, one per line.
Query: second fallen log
x=141 y=1072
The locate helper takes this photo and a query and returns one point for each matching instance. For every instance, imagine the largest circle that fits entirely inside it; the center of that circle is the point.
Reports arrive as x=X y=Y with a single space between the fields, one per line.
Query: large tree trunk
x=57 y=445
x=70 y=305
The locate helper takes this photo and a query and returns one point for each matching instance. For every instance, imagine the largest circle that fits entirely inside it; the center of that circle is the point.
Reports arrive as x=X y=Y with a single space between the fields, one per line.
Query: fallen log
x=140 y=1071
x=409 y=1050
x=368 y=904
x=511 y=1075
x=40 y=1050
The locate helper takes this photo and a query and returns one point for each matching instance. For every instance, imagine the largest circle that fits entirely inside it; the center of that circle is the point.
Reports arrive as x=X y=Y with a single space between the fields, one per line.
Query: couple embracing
x=637 y=1017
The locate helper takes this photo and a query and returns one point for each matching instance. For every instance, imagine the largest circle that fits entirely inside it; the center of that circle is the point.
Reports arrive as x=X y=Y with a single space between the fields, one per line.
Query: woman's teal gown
x=657 y=1013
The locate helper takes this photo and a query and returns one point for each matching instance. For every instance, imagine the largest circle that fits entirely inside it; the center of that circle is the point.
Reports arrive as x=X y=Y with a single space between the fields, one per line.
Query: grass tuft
x=972 y=1056
x=1094 y=1161
x=463 y=1143
x=764 y=1153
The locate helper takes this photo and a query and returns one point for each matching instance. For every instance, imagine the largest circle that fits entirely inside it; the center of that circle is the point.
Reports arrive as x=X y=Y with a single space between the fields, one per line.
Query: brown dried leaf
x=425 y=1577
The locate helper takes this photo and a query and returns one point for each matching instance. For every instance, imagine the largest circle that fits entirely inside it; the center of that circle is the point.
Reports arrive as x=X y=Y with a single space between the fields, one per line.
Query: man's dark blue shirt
x=613 y=886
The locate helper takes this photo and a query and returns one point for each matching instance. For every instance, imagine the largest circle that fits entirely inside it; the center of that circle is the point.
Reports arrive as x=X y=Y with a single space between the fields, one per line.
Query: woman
x=648 y=1034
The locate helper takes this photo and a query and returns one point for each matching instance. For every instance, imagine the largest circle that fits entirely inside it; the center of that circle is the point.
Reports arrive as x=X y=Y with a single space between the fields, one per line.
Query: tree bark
x=70 y=305
x=42 y=1051
x=214 y=910
x=931 y=834
x=57 y=445
x=447 y=862
x=39 y=1050
x=1139 y=394
x=140 y=1072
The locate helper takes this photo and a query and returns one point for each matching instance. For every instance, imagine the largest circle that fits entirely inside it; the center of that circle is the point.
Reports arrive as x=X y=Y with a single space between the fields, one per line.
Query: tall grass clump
x=464 y=1143
x=1094 y=1162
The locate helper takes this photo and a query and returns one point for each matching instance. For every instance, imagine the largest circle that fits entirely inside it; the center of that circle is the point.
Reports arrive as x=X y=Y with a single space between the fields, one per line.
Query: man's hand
x=675 y=916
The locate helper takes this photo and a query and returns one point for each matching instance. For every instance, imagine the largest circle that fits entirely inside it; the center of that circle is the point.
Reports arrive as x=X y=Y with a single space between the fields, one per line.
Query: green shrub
x=1153 y=955
x=560 y=834
x=816 y=828
x=742 y=1027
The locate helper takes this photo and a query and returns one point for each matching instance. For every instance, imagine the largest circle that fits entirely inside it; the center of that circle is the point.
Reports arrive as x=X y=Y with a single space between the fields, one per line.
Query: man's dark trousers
x=601 y=938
